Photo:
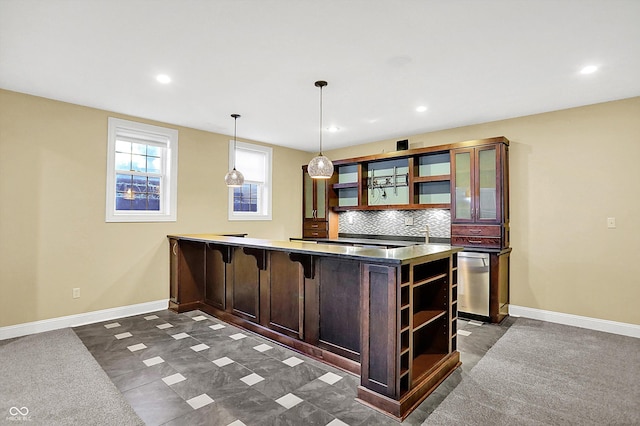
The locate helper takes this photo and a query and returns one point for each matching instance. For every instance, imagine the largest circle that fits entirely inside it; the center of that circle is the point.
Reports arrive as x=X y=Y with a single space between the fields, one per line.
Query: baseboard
x=622 y=328
x=80 y=319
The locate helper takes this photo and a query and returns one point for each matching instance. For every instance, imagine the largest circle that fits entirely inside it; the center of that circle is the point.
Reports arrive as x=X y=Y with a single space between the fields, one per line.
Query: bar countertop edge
x=397 y=255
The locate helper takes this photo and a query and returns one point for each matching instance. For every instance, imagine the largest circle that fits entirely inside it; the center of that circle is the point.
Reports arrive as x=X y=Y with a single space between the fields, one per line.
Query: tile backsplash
x=393 y=222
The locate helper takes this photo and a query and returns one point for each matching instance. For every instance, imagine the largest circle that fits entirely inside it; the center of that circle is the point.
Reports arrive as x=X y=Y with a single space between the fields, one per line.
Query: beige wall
x=570 y=170
x=53 y=236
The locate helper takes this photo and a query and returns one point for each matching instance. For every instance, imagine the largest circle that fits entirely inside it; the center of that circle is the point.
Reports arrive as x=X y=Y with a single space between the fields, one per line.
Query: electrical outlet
x=408 y=221
x=611 y=222
x=76 y=293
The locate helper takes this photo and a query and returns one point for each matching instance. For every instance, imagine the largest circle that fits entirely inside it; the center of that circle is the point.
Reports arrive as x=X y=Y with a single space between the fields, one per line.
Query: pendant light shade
x=234 y=178
x=320 y=167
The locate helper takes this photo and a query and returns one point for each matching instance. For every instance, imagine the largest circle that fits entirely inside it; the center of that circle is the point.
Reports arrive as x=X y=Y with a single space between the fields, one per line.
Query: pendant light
x=320 y=167
x=234 y=178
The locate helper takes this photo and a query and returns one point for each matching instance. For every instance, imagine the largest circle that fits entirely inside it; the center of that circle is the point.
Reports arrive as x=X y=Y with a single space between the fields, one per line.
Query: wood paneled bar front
x=387 y=315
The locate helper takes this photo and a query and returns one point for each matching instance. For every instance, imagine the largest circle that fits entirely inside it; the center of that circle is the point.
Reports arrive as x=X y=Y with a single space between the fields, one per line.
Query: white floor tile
x=153 y=361
x=236 y=423
x=164 y=326
x=293 y=361
x=180 y=336
x=289 y=400
x=173 y=379
x=151 y=317
x=252 y=379
x=123 y=335
x=137 y=347
x=112 y=325
x=476 y=323
x=463 y=332
x=337 y=422
x=238 y=336
x=199 y=401
x=200 y=347
x=199 y=318
x=262 y=348
x=221 y=362
x=216 y=326
x=330 y=378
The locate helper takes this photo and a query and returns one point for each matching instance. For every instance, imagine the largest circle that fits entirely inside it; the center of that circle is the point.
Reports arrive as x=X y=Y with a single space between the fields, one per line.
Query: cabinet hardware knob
x=475 y=231
x=475 y=241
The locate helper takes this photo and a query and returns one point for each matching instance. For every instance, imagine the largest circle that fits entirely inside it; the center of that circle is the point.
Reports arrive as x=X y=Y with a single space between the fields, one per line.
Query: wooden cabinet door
x=477 y=185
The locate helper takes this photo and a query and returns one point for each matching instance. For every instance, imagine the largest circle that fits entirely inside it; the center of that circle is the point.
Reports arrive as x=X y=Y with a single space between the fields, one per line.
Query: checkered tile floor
x=193 y=369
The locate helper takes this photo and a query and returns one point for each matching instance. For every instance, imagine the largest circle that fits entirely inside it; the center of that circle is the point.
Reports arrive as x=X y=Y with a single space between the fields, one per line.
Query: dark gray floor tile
x=156 y=403
x=215 y=383
x=302 y=414
x=251 y=406
x=143 y=376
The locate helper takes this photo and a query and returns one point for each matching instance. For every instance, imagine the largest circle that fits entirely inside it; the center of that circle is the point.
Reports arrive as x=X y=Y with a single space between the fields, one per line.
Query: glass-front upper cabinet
x=462 y=181
x=475 y=183
x=487 y=203
x=315 y=191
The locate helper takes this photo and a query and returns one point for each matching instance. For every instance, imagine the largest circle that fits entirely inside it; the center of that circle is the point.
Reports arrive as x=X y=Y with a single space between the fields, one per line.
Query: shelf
x=422 y=364
x=445 y=206
x=438 y=178
x=422 y=318
x=345 y=185
x=429 y=280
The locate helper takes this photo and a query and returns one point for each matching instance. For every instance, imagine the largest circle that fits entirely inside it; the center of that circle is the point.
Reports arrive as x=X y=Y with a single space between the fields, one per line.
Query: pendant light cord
x=321 y=120
x=235 y=124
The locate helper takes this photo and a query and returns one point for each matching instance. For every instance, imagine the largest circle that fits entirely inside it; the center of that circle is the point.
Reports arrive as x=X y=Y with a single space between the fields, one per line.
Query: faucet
x=426 y=234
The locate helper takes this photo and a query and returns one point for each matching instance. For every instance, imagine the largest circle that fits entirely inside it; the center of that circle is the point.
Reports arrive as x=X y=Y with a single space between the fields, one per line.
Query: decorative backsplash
x=394 y=222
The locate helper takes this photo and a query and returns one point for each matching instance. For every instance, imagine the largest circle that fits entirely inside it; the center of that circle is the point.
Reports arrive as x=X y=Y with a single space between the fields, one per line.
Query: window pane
x=122 y=146
x=139 y=163
x=154 y=151
x=139 y=184
x=140 y=202
x=154 y=165
x=154 y=185
x=121 y=203
x=154 y=202
x=138 y=148
x=123 y=161
x=123 y=182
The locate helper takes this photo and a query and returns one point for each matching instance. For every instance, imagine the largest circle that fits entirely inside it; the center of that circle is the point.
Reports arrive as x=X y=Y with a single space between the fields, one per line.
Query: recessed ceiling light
x=589 y=69
x=333 y=129
x=421 y=108
x=163 y=78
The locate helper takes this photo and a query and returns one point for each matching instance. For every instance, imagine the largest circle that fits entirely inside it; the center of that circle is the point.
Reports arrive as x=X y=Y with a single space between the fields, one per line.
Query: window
x=142 y=171
x=252 y=201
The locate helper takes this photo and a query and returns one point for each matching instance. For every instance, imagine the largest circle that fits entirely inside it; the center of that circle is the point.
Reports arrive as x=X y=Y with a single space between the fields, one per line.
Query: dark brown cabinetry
x=409 y=332
x=319 y=220
x=480 y=195
x=388 y=315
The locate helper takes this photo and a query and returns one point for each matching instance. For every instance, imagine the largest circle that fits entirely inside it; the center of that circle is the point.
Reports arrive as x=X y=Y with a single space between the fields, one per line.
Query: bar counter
x=387 y=315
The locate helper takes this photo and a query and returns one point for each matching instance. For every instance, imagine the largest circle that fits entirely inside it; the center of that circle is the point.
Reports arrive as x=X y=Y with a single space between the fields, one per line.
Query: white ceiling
x=468 y=61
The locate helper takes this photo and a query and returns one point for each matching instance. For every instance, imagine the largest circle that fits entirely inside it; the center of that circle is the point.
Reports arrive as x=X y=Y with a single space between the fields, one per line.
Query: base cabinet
x=394 y=324
x=408 y=334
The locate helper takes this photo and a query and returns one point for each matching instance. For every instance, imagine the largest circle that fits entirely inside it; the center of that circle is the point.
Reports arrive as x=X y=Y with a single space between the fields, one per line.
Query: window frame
x=155 y=135
x=265 y=198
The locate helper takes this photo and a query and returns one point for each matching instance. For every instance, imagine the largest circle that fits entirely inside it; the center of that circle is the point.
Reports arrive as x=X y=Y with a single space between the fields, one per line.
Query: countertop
x=397 y=255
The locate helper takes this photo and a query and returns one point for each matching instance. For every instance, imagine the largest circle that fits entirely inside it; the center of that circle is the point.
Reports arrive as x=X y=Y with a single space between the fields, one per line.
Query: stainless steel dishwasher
x=473 y=283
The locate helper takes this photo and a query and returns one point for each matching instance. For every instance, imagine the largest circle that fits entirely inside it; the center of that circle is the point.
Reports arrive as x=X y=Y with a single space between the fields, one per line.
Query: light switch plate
x=611 y=222
x=408 y=221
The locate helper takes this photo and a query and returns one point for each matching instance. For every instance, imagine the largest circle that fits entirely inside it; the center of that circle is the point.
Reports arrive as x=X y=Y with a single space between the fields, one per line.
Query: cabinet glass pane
x=321 y=185
x=308 y=196
x=487 y=171
x=463 y=186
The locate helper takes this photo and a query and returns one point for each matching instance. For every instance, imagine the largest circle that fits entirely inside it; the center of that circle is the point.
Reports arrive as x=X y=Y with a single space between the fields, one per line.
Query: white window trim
x=267 y=197
x=168 y=208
